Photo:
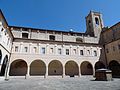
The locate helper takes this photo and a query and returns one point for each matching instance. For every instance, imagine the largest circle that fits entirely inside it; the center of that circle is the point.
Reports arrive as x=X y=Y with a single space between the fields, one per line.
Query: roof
x=3 y=16
x=48 y=30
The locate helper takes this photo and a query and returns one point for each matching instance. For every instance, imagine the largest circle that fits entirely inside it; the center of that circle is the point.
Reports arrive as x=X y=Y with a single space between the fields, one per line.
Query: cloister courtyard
x=58 y=83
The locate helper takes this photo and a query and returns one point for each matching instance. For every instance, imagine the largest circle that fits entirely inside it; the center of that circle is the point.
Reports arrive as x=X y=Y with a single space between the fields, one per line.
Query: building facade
x=38 y=52
x=111 y=42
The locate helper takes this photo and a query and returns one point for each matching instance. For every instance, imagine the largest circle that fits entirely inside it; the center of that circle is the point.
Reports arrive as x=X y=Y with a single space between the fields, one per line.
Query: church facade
x=28 y=51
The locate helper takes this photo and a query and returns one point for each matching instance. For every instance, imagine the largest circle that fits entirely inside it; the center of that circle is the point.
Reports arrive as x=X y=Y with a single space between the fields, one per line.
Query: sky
x=61 y=15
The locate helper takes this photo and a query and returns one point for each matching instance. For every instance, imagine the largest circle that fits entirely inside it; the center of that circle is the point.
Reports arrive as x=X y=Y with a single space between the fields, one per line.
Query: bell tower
x=94 y=24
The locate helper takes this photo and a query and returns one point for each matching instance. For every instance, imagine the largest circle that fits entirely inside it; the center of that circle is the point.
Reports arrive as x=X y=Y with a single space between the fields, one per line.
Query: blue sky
x=58 y=14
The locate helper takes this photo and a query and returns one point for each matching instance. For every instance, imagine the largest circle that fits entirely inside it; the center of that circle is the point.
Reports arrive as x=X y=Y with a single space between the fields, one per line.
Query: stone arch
x=37 y=67
x=0 y=56
x=55 y=67
x=99 y=65
x=4 y=64
x=86 y=68
x=115 y=67
x=18 y=68
x=71 y=68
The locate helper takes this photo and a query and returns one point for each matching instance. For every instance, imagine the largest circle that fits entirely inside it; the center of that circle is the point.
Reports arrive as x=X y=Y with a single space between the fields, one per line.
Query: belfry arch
x=18 y=68
x=55 y=67
x=86 y=68
x=71 y=68
x=37 y=68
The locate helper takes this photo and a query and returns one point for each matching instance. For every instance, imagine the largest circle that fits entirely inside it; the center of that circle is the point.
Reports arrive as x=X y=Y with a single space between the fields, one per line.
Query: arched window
x=96 y=21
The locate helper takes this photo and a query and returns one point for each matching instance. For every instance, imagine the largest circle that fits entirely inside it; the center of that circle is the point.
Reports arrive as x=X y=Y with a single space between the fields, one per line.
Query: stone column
x=63 y=72
x=93 y=71
x=79 y=72
x=28 y=72
x=46 y=74
x=7 y=72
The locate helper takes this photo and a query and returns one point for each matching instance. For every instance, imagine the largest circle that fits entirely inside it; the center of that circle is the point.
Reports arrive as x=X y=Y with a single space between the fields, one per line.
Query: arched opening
x=99 y=65
x=115 y=67
x=86 y=68
x=18 y=68
x=55 y=68
x=3 y=68
x=0 y=56
x=96 y=21
x=71 y=68
x=37 y=68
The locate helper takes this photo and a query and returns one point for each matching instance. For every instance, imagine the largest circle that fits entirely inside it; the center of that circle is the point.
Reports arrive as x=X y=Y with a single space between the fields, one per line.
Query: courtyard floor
x=57 y=83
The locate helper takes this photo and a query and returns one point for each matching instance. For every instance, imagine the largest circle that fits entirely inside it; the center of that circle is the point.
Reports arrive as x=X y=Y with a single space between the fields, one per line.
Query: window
x=74 y=51
x=24 y=35
x=81 y=52
x=59 y=51
x=25 y=49
x=52 y=37
x=95 y=53
x=43 y=50
x=16 y=48
x=51 y=50
x=67 y=51
x=96 y=21
x=113 y=48
x=79 y=40
x=34 y=49
x=107 y=51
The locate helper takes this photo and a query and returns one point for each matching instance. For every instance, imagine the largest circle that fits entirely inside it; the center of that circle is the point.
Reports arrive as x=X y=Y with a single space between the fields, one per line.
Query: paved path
x=36 y=83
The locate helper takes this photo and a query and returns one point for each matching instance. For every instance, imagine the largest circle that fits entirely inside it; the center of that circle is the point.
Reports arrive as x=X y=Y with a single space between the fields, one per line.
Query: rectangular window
x=16 y=48
x=52 y=37
x=59 y=51
x=95 y=53
x=107 y=51
x=81 y=52
x=25 y=49
x=67 y=51
x=43 y=50
x=24 y=35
